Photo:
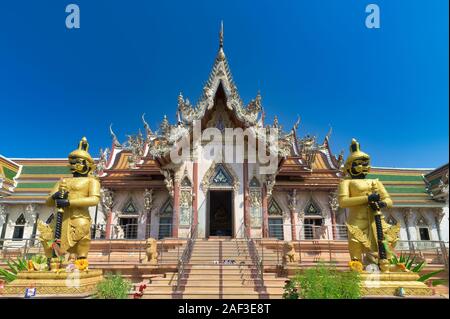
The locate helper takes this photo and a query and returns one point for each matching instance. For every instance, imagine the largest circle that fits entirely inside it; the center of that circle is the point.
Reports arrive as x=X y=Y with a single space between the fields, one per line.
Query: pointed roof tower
x=220 y=75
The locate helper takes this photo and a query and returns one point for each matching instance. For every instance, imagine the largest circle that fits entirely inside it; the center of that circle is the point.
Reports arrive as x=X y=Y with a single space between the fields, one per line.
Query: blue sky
x=387 y=87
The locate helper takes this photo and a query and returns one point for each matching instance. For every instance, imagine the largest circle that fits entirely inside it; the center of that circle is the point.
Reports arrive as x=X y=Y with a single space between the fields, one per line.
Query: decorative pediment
x=391 y=220
x=312 y=209
x=220 y=176
x=421 y=221
x=129 y=208
x=186 y=182
x=166 y=209
x=254 y=182
x=274 y=208
x=21 y=220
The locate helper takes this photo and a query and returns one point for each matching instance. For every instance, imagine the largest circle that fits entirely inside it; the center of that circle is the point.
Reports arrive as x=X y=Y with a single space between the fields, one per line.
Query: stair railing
x=186 y=255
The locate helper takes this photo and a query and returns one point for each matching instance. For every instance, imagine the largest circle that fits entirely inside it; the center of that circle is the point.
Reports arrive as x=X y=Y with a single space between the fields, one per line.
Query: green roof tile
x=397 y=189
x=36 y=185
x=400 y=178
x=45 y=170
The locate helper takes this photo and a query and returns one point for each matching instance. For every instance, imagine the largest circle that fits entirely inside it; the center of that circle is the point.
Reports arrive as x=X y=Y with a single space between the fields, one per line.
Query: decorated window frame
x=255 y=200
x=186 y=200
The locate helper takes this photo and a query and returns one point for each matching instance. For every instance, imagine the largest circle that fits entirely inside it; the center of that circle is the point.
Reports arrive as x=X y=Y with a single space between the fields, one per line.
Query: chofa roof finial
x=221 y=35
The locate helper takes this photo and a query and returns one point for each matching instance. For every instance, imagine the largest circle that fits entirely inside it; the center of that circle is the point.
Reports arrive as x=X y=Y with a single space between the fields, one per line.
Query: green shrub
x=290 y=290
x=113 y=287
x=408 y=262
x=325 y=282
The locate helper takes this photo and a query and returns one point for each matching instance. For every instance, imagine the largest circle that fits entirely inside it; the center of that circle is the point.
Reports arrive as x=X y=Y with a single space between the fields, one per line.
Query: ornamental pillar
x=107 y=201
x=292 y=204
x=333 y=202
x=145 y=215
x=176 y=207
x=33 y=215
x=246 y=200
x=265 y=205
x=194 y=193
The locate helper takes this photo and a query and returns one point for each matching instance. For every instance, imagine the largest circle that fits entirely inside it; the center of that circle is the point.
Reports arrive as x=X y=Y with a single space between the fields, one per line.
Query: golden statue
x=73 y=196
x=152 y=250
x=369 y=234
x=290 y=255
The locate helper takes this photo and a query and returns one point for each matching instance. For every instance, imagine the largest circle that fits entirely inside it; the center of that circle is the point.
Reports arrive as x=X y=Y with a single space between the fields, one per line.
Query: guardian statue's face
x=360 y=168
x=78 y=165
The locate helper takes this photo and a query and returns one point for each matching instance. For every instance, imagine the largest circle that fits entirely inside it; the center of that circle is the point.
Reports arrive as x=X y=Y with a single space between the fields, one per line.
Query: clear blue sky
x=388 y=87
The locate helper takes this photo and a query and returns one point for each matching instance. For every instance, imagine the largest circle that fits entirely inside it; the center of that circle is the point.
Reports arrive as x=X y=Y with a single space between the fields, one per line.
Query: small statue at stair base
x=290 y=255
x=152 y=250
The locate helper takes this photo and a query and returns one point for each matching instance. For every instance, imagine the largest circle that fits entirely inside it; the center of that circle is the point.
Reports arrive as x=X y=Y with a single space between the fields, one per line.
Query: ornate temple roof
x=8 y=173
x=298 y=156
x=437 y=183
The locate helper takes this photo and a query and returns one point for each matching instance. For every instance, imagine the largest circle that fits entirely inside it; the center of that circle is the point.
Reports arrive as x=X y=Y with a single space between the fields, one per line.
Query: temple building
x=150 y=190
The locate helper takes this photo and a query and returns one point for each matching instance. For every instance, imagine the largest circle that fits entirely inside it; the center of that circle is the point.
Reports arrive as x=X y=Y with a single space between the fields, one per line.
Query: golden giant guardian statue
x=371 y=239
x=72 y=197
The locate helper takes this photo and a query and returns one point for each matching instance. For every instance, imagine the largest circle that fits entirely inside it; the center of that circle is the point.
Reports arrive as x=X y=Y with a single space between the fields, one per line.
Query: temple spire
x=221 y=35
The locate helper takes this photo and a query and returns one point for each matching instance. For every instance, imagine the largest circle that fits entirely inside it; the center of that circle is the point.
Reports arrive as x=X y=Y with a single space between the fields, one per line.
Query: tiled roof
x=36 y=179
x=406 y=187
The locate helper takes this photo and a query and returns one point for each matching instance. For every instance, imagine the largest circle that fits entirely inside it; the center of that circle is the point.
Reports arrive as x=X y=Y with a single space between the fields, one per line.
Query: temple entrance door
x=220 y=213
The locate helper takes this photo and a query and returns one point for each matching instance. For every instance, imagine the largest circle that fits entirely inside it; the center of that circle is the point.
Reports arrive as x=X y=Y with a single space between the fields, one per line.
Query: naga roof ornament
x=116 y=142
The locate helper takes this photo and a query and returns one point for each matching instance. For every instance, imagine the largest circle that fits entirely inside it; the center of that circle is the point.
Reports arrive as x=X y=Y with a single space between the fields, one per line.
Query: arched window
x=313 y=222
x=423 y=229
x=165 y=220
x=275 y=220
x=19 y=227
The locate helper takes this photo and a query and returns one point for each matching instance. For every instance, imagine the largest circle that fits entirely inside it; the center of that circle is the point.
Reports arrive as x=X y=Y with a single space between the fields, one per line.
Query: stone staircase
x=206 y=276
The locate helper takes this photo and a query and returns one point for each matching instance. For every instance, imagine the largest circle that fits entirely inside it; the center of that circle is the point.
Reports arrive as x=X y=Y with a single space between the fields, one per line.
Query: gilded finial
x=221 y=35
x=83 y=145
x=354 y=147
